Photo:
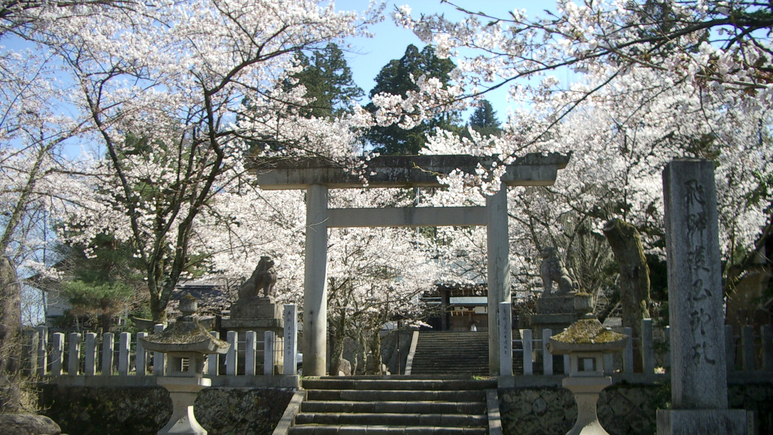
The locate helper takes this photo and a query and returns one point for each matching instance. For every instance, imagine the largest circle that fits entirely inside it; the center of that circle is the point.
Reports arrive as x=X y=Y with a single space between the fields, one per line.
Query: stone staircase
x=412 y=405
x=451 y=353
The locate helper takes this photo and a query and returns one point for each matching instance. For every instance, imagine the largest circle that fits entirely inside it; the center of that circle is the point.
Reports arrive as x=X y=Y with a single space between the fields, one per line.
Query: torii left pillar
x=315 y=282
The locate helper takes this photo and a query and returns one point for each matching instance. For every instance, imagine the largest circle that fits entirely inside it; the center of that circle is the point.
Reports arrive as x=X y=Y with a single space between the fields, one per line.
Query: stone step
x=421 y=407
x=350 y=383
x=392 y=419
x=397 y=395
x=375 y=429
x=415 y=405
x=451 y=352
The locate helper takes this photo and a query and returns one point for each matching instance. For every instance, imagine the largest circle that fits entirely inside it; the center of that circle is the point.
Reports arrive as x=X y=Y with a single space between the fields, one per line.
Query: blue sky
x=369 y=55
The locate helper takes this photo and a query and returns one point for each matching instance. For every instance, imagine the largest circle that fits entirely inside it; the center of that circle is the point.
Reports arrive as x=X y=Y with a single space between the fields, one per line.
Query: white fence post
x=250 y=349
x=268 y=353
x=528 y=343
x=90 y=366
x=141 y=357
x=42 y=350
x=767 y=348
x=729 y=348
x=108 y=347
x=547 y=357
x=647 y=347
x=290 y=362
x=232 y=356
x=57 y=342
x=73 y=353
x=124 y=352
x=212 y=361
x=628 y=351
x=505 y=339
x=159 y=358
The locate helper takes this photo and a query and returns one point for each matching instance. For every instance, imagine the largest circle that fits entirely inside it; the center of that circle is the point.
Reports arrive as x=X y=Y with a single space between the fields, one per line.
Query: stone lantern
x=186 y=344
x=586 y=341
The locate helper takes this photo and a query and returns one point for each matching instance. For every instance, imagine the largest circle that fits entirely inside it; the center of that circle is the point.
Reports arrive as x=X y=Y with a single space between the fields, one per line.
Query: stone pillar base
x=186 y=425
x=703 y=421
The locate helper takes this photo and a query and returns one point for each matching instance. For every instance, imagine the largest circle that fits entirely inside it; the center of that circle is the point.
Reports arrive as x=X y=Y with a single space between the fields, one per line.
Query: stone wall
x=622 y=409
x=145 y=410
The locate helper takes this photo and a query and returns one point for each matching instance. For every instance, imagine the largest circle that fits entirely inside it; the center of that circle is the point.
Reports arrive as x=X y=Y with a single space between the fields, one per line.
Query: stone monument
x=695 y=297
x=555 y=309
x=255 y=310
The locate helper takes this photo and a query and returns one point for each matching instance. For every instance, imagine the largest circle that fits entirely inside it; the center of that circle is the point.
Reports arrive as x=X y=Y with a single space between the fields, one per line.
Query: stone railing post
x=141 y=356
x=30 y=351
x=505 y=339
x=647 y=347
x=667 y=357
x=747 y=343
x=90 y=363
x=232 y=357
x=628 y=351
x=108 y=349
x=547 y=357
x=528 y=350
x=290 y=363
x=729 y=348
x=42 y=350
x=159 y=358
x=212 y=362
x=57 y=352
x=268 y=353
x=73 y=353
x=124 y=353
x=250 y=350
x=767 y=348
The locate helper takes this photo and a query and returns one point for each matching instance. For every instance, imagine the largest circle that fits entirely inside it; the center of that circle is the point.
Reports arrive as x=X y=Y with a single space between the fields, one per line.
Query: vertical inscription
x=698 y=301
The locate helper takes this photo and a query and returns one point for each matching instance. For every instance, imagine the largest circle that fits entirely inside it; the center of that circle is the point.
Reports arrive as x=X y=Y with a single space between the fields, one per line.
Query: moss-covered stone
x=145 y=410
x=100 y=411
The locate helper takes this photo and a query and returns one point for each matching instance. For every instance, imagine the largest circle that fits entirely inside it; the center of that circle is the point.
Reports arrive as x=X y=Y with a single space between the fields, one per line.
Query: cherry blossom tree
x=652 y=81
x=161 y=86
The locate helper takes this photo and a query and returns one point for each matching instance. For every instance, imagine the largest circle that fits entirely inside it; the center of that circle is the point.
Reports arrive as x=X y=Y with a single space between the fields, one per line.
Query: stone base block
x=555 y=322
x=256 y=308
x=704 y=422
x=258 y=325
x=556 y=304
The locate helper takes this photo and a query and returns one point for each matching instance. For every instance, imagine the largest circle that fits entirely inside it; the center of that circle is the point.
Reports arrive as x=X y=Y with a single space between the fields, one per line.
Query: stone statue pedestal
x=255 y=314
x=259 y=314
x=555 y=312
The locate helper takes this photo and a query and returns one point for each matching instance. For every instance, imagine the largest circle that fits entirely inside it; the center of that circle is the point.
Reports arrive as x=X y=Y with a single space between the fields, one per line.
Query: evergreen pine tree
x=395 y=78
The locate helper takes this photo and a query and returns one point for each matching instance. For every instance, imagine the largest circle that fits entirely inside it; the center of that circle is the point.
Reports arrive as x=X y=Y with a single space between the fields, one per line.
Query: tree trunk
x=10 y=337
x=634 y=274
x=338 y=344
x=374 y=361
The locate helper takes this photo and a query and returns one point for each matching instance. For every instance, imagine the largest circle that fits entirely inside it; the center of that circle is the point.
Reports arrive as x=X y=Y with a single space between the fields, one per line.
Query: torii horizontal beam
x=277 y=173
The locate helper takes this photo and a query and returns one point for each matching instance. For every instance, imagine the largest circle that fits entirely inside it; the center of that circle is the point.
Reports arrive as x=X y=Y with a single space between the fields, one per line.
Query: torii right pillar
x=698 y=370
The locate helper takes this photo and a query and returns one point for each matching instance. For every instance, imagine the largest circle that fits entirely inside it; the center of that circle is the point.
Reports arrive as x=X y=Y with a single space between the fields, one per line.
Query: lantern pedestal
x=183 y=391
x=586 y=393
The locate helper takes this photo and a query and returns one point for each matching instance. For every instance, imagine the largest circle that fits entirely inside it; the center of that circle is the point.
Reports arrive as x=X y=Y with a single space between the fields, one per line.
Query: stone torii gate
x=317 y=176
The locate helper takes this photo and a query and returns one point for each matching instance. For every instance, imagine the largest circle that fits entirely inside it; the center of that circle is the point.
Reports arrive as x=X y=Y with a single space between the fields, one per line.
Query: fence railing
x=122 y=355
x=748 y=354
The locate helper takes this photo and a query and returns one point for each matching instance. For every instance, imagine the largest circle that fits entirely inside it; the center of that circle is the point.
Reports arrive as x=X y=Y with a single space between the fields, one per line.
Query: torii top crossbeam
x=401 y=171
